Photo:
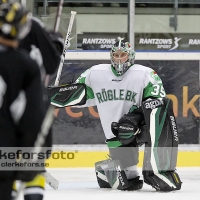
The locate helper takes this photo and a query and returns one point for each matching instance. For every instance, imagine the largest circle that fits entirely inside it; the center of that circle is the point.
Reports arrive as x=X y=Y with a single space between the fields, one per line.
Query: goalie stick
x=49 y=117
x=66 y=45
x=48 y=177
x=50 y=180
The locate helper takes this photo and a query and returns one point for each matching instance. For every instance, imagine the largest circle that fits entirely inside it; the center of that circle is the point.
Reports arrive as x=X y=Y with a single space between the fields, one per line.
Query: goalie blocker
x=67 y=95
x=154 y=125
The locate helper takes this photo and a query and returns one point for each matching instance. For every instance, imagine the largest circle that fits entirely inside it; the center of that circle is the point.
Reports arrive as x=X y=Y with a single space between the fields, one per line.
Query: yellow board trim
x=88 y=158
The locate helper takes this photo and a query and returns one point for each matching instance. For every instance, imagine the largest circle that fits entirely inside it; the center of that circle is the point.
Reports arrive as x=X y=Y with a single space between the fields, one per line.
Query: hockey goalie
x=134 y=111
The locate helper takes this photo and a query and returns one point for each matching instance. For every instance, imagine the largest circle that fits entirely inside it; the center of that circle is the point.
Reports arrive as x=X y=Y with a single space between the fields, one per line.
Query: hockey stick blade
x=51 y=181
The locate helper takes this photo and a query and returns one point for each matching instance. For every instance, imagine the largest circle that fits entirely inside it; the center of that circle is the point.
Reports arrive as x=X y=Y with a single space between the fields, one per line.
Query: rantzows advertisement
x=180 y=80
x=143 y=41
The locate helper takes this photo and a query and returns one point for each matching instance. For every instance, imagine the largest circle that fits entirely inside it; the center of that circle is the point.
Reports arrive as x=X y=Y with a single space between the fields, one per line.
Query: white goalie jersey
x=115 y=95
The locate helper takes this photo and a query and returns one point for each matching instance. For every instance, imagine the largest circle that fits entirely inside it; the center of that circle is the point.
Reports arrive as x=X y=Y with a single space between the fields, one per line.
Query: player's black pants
x=6 y=189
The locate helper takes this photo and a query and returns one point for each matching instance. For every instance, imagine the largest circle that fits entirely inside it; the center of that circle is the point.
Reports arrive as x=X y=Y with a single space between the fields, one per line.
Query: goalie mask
x=15 y=21
x=122 y=56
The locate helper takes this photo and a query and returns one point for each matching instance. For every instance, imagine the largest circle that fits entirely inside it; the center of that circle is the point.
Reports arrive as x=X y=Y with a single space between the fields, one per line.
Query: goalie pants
x=128 y=157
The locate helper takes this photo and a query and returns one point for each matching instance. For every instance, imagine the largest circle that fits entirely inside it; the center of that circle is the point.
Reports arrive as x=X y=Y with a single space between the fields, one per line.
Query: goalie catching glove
x=128 y=126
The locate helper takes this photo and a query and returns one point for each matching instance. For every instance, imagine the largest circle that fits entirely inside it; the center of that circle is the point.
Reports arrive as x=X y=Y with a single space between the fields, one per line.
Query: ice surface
x=80 y=184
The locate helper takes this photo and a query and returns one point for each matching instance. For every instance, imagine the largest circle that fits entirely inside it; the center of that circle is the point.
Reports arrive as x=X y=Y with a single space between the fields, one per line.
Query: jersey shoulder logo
x=155 y=76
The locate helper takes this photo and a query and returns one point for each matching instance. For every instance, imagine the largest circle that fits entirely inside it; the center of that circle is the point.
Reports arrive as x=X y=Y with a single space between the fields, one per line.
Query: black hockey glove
x=127 y=128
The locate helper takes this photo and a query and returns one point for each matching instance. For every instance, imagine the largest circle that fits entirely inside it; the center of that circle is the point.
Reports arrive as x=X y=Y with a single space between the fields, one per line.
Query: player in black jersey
x=42 y=47
x=22 y=108
x=39 y=38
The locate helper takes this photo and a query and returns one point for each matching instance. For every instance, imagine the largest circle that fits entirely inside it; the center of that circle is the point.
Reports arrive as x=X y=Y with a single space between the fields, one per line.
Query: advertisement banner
x=167 y=42
x=180 y=80
x=98 y=41
x=143 y=41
